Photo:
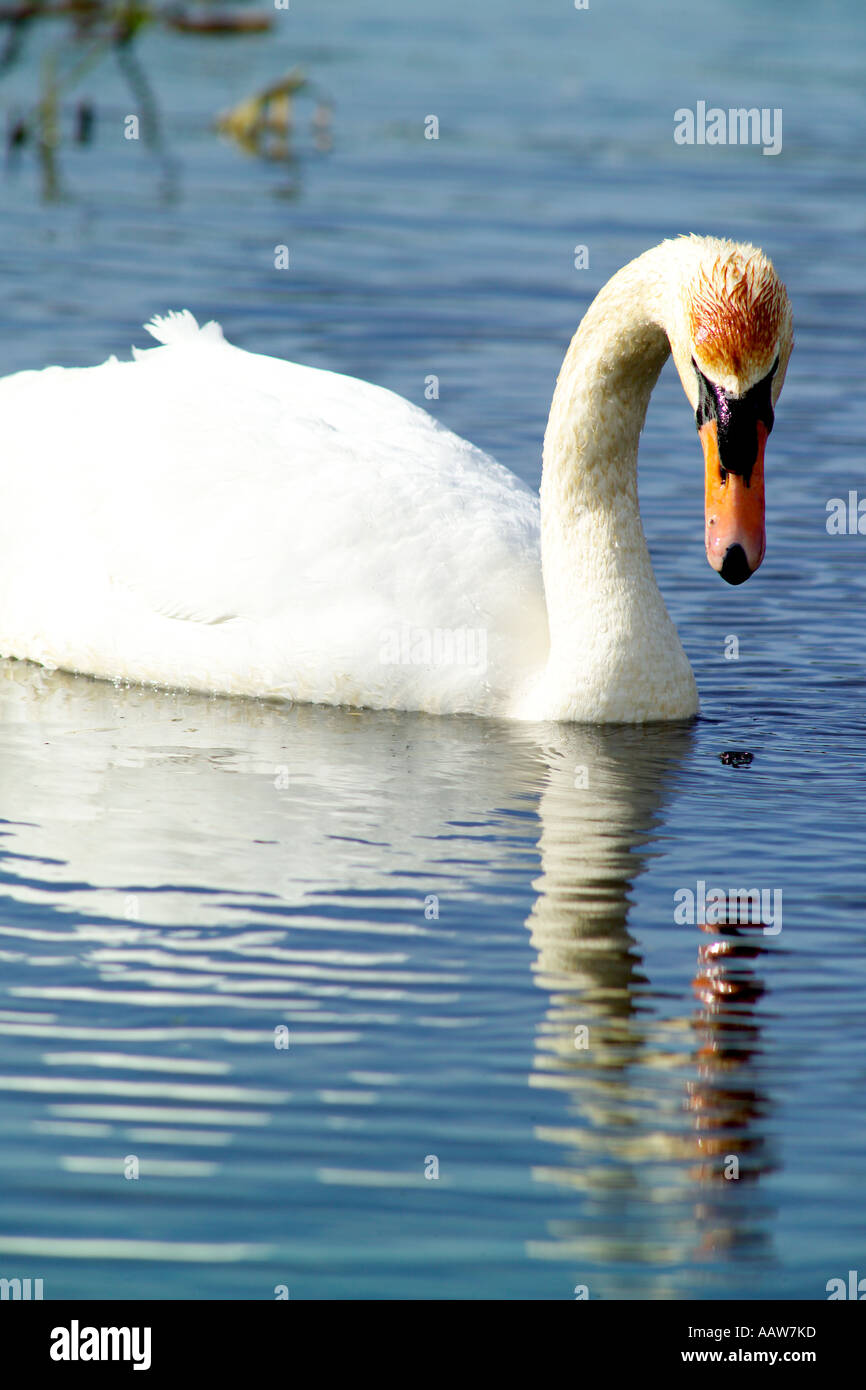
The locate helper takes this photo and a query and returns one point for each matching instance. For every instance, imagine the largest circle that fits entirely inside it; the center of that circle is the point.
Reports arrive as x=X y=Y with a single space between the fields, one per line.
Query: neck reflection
x=666 y=1105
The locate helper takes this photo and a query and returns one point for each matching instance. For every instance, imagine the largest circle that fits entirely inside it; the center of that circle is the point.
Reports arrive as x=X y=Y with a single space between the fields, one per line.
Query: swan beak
x=734 y=503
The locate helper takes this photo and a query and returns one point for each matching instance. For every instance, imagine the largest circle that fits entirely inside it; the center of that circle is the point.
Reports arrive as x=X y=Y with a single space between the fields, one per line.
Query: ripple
x=194 y=1252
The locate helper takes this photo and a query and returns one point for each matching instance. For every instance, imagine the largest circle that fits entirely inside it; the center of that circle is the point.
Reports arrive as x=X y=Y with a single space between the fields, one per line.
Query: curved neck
x=608 y=623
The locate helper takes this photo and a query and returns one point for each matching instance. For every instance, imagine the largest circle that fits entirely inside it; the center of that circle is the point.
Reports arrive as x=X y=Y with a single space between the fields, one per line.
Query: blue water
x=182 y=877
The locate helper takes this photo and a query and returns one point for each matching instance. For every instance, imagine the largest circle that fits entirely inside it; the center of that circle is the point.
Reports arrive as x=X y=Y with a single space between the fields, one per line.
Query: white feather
x=209 y=518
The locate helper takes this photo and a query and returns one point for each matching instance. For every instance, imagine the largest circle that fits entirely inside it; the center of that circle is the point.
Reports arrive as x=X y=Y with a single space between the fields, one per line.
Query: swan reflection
x=246 y=864
x=613 y=1047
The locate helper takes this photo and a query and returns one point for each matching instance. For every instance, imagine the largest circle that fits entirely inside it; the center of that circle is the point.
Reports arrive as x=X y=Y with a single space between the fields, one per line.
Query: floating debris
x=223 y=22
x=736 y=757
x=85 y=118
x=269 y=112
x=321 y=125
x=16 y=134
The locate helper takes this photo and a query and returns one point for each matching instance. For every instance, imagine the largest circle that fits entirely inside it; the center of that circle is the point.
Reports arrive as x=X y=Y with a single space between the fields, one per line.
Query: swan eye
x=733 y=414
x=736 y=421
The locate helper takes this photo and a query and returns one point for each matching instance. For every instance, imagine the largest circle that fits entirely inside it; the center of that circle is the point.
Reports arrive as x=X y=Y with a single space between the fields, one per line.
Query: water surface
x=435 y=908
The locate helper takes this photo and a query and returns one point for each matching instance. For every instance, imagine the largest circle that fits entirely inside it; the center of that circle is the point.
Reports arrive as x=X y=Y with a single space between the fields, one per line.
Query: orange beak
x=734 y=508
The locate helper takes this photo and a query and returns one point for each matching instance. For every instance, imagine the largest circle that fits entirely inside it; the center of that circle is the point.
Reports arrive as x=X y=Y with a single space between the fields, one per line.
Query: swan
x=206 y=518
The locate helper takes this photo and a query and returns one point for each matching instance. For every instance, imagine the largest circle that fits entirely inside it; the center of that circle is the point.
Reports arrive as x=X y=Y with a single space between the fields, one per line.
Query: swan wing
x=210 y=517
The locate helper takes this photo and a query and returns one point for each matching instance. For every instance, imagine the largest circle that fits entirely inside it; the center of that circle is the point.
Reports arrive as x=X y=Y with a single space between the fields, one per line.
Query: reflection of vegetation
x=262 y=124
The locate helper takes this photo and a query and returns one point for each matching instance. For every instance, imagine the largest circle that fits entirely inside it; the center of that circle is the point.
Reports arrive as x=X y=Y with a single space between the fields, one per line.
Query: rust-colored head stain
x=737 y=311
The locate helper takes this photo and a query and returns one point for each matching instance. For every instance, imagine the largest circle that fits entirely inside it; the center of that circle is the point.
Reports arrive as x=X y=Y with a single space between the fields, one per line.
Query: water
x=183 y=876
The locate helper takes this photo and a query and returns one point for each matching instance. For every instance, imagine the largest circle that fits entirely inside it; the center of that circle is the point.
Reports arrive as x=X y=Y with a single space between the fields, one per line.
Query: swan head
x=731 y=344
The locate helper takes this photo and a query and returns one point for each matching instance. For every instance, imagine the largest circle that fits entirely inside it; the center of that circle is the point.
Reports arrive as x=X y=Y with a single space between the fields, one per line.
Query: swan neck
x=608 y=622
x=604 y=386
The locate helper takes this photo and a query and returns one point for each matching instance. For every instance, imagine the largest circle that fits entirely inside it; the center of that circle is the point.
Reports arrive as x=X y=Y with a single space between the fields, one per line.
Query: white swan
x=208 y=518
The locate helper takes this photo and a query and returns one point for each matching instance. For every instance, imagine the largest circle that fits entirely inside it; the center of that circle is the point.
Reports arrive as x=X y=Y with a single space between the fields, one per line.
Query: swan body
x=208 y=518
